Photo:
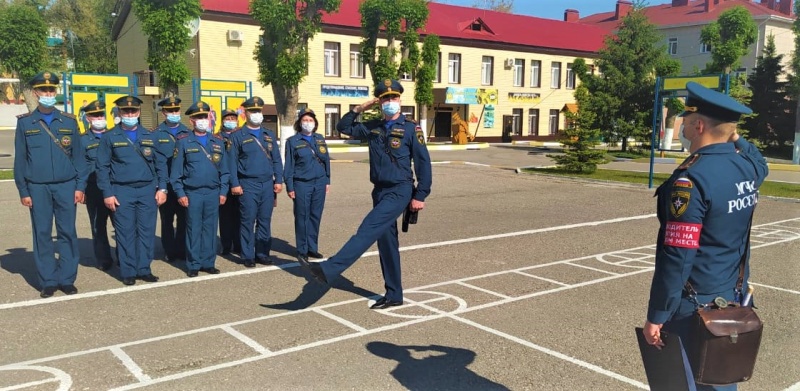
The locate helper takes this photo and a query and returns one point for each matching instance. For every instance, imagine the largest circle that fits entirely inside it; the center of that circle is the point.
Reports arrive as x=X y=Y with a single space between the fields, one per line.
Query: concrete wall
x=9 y=113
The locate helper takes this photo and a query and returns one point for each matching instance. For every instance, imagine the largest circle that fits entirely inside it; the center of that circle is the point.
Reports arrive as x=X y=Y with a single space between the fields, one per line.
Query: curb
x=431 y=147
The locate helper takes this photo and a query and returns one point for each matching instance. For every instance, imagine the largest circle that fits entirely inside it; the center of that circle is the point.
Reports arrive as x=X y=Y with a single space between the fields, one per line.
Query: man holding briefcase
x=705 y=209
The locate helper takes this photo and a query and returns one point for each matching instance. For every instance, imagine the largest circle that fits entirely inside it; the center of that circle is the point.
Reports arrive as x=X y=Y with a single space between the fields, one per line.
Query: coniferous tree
x=773 y=122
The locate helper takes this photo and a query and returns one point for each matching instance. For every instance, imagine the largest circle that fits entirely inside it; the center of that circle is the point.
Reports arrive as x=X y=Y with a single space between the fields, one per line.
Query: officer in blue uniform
x=50 y=172
x=132 y=174
x=199 y=175
x=704 y=210
x=229 y=217
x=394 y=142
x=173 y=217
x=98 y=213
x=307 y=172
x=256 y=176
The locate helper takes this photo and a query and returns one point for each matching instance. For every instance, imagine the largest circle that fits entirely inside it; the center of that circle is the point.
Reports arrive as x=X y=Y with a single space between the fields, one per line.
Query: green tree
x=580 y=138
x=772 y=123
x=506 y=6
x=730 y=37
x=426 y=73
x=794 y=83
x=287 y=26
x=164 y=22
x=87 y=33
x=23 y=51
x=621 y=96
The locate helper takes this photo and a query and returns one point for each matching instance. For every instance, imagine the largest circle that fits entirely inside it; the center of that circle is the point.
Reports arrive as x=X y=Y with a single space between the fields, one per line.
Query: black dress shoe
x=69 y=289
x=249 y=263
x=209 y=270
x=47 y=291
x=264 y=260
x=128 y=281
x=225 y=251
x=383 y=303
x=148 y=278
x=315 y=254
x=314 y=269
x=192 y=273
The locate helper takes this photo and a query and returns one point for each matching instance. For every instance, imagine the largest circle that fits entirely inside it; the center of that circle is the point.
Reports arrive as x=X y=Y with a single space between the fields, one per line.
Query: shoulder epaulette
x=690 y=161
x=410 y=119
x=219 y=137
x=68 y=115
x=23 y=115
x=182 y=136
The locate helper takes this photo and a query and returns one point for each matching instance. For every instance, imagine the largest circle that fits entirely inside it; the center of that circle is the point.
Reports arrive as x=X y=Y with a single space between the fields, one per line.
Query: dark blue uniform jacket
x=131 y=163
x=306 y=161
x=197 y=167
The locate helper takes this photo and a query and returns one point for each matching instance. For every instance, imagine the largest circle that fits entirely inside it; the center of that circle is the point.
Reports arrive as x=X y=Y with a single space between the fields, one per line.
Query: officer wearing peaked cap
x=199 y=175
x=132 y=175
x=173 y=217
x=50 y=172
x=705 y=209
x=394 y=142
x=256 y=176
x=98 y=213
x=229 y=217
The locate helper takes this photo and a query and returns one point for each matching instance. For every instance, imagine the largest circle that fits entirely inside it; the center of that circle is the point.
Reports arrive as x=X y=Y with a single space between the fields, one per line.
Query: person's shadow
x=20 y=261
x=443 y=368
x=313 y=291
x=281 y=246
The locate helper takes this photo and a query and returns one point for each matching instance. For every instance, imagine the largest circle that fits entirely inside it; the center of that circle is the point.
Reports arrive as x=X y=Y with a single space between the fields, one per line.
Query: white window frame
x=570 y=84
x=333 y=113
x=533 y=122
x=705 y=48
x=552 y=124
x=555 y=75
x=331 y=63
x=356 y=63
x=672 y=46
x=454 y=68
x=519 y=72
x=487 y=70
x=536 y=73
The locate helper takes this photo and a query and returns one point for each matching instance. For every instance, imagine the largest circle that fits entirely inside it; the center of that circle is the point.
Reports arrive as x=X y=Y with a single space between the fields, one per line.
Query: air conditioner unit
x=509 y=62
x=235 y=35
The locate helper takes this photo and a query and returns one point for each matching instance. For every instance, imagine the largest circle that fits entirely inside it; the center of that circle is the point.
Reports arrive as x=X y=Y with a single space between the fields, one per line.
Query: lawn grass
x=6 y=174
x=774 y=189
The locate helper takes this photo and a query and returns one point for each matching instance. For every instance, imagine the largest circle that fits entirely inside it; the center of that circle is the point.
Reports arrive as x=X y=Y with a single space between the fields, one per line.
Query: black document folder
x=667 y=369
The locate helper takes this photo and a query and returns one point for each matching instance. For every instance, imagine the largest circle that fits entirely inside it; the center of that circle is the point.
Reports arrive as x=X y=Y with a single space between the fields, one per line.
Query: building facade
x=508 y=76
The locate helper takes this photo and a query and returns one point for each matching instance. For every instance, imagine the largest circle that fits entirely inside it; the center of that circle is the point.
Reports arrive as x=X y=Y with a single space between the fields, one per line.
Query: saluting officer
x=199 y=175
x=50 y=174
x=229 y=216
x=704 y=210
x=307 y=173
x=394 y=142
x=173 y=216
x=98 y=213
x=132 y=174
x=256 y=176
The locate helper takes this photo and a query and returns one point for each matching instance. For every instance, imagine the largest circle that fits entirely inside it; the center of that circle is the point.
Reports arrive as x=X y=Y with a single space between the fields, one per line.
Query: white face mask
x=256 y=118
x=99 y=124
x=202 y=125
x=307 y=127
x=685 y=142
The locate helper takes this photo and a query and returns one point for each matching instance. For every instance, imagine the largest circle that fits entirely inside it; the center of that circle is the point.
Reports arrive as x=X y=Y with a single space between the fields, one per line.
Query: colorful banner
x=216 y=107
x=488 y=117
x=524 y=97
x=345 y=91
x=471 y=96
x=234 y=103
x=79 y=100
x=110 y=98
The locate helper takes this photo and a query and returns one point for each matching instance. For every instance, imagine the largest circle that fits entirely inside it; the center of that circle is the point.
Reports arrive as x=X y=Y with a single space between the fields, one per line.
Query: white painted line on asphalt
x=246 y=340
x=477 y=164
x=795 y=387
x=28 y=385
x=6 y=180
x=128 y=362
x=477 y=288
x=340 y=320
x=592 y=268
x=775 y=288
x=540 y=278
x=162 y=284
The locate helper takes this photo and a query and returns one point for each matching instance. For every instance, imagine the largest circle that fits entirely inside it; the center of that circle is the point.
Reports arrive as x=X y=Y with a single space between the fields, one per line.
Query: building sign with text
x=345 y=91
x=524 y=97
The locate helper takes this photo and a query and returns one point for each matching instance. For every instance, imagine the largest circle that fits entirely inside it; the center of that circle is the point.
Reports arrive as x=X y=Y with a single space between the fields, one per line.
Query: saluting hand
x=184 y=201
x=111 y=203
x=237 y=190
x=79 y=197
x=26 y=201
x=366 y=105
x=417 y=205
x=222 y=199
x=161 y=198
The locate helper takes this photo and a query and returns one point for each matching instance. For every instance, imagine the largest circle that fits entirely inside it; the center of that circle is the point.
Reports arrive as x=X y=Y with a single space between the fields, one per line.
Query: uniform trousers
x=229 y=224
x=255 y=206
x=201 y=228
x=309 y=200
x=379 y=225
x=49 y=201
x=173 y=233
x=135 y=228
x=98 y=221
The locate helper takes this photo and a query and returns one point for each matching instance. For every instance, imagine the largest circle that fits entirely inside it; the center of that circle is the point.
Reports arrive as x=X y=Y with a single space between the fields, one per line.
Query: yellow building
x=508 y=75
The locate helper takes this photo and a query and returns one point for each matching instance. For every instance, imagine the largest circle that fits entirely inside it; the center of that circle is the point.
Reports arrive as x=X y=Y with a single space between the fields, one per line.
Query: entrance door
x=508 y=128
x=443 y=123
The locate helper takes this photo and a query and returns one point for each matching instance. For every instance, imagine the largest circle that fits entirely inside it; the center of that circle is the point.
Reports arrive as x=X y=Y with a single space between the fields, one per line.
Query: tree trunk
x=286 y=98
x=796 y=149
x=423 y=120
x=669 y=129
x=30 y=98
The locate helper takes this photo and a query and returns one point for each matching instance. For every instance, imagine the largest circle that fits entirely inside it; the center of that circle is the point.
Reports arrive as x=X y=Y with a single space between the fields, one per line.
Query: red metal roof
x=449 y=21
x=694 y=12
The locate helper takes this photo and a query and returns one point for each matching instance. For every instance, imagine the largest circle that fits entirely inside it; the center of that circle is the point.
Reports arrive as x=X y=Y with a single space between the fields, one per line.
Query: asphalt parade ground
x=512 y=282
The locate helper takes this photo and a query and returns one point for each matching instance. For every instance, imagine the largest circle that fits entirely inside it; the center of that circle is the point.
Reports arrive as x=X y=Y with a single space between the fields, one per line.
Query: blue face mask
x=390 y=108
x=174 y=118
x=130 y=121
x=47 y=101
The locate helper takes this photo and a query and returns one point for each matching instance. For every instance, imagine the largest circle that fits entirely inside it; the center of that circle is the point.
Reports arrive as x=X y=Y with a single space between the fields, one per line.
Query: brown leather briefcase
x=725 y=344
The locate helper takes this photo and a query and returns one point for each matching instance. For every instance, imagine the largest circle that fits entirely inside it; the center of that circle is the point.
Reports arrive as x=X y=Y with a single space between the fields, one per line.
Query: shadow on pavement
x=439 y=368
x=20 y=261
x=313 y=291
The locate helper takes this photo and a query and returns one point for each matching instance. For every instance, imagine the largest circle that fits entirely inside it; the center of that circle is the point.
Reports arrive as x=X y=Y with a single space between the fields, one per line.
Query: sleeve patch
x=679 y=202
x=420 y=136
x=685 y=235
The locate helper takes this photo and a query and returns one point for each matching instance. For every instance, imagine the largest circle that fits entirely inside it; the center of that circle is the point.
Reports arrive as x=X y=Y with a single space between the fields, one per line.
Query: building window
x=454 y=68
x=672 y=48
x=570 y=77
x=536 y=73
x=438 y=77
x=533 y=122
x=519 y=70
x=553 y=124
x=517 y=127
x=487 y=70
x=331 y=58
x=407 y=111
x=301 y=107
x=356 y=63
x=331 y=119
x=405 y=76
x=705 y=48
x=555 y=75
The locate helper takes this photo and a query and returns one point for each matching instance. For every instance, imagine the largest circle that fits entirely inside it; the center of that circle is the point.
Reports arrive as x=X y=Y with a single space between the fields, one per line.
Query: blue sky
x=554 y=9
